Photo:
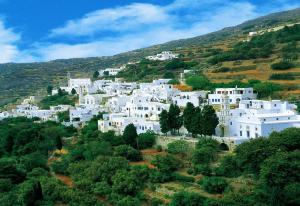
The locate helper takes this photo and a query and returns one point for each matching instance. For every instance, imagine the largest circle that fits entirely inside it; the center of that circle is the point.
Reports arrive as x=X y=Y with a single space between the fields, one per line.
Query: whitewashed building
x=235 y=95
x=163 y=56
x=196 y=98
x=111 y=71
x=118 y=122
x=256 y=118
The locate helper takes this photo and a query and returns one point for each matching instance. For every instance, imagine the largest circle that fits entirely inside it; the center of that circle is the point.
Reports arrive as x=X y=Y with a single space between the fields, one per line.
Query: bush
x=282 y=65
x=214 y=185
x=128 y=152
x=182 y=178
x=174 y=81
x=190 y=171
x=228 y=167
x=158 y=148
x=221 y=70
x=286 y=76
x=187 y=199
x=198 y=82
x=146 y=140
x=203 y=169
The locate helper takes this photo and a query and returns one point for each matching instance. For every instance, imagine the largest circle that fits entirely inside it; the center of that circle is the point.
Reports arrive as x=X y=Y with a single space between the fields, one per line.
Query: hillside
x=20 y=80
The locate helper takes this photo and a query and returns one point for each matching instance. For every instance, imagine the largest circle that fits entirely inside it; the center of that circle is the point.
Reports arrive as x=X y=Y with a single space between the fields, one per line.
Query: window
x=241 y=133
x=248 y=133
x=230 y=123
x=277 y=119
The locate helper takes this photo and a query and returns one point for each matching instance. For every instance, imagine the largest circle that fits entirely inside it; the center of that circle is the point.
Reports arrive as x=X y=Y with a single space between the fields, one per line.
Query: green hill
x=20 y=80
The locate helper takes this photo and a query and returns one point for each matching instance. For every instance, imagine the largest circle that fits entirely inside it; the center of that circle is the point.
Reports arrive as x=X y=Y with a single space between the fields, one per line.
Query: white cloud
x=124 y=18
x=8 y=41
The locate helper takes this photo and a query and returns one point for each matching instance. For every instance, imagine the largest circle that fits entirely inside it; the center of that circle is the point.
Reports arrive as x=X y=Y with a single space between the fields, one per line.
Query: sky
x=43 y=30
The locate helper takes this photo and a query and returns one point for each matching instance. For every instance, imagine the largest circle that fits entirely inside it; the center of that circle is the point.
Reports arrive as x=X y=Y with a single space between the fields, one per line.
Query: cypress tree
x=164 y=122
x=130 y=135
x=210 y=120
x=188 y=115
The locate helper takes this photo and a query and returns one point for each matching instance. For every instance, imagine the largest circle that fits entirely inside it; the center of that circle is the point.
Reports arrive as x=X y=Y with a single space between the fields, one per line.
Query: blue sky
x=42 y=30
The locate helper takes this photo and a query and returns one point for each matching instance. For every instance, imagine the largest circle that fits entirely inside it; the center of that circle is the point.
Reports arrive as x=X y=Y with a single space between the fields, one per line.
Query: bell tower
x=224 y=116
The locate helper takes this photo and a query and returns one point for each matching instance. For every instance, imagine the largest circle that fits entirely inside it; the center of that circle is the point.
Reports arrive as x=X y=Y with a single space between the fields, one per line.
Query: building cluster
x=163 y=56
x=241 y=115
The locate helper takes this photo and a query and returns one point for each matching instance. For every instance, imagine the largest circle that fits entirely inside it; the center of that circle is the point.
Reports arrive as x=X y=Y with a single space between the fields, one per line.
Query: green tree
x=164 y=122
x=210 y=120
x=184 y=198
x=188 y=115
x=128 y=152
x=130 y=135
x=214 y=185
x=180 y=147
x=196 y=126
x=9 y=143
x=96 y=74
x=73 y=91
x=58 y=142
x=125 y=183
x=198 y=82
x=287 y=140
x=175 y=119
x=281 y=169
x=166 y=164
x=146 y=140
x=49 y=89
x=250 y=155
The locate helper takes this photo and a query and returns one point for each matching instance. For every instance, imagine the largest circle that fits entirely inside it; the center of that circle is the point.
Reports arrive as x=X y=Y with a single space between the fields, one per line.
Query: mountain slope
x=20 y=80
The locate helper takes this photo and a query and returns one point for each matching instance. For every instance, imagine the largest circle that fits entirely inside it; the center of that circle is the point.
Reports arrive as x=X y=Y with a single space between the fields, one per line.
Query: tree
x=130 y=135
x=250 y=155
x=196 y=126
x=128 y=152
x=165 y=164
x=210 y=120
x=198 y=82
x=175 y=120
x=73 y=91
x=214 y=185
x=146 y=140
x=96 y=74
x=288 y=139
x=281 y=169
x=164 y=122
x=187 y=199
x=49 y=89
x=298 y=107
x=9 y=143
x=58 y=142
x=180 y=147
x=60 y=92
x=188 y=115
x=125 y=183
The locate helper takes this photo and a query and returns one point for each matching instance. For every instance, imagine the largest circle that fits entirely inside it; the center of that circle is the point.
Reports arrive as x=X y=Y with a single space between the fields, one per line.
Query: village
x=241 y=115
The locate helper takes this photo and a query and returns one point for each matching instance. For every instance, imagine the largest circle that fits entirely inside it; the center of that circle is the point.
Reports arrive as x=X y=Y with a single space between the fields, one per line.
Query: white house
x=196 y=98
x=255 y=118
x=118 y=122
x=111 y=71
x=235 y=95
x=4 y=115
x=163 y=56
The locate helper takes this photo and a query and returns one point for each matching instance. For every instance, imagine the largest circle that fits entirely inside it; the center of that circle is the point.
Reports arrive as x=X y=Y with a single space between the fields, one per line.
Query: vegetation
x=282 y=65
x=57 y=99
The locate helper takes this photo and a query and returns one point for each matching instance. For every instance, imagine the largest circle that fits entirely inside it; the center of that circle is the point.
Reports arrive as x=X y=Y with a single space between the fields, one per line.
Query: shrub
x=214 y=185
x=182 y=178
x=286 y=76
x=158 y=148
x=203 y=169
x=146 y=140
x=198 y=82
x=187 y=199
x=222 y=69
x=174 y=81
x=128 y=152
x=190 y=171
x=228 y=167
x=282 y=65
